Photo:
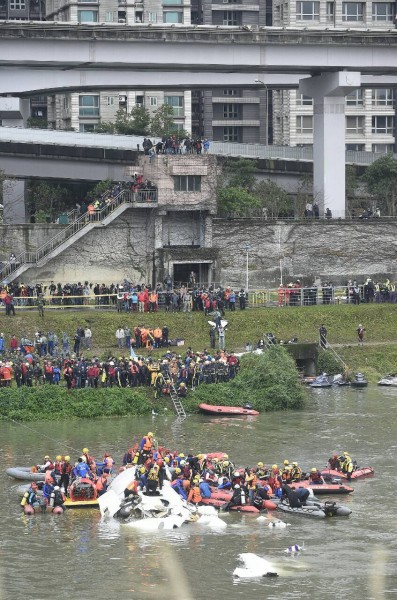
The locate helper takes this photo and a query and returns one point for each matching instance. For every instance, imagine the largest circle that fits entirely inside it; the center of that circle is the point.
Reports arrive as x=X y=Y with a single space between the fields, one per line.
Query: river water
x=76 y=556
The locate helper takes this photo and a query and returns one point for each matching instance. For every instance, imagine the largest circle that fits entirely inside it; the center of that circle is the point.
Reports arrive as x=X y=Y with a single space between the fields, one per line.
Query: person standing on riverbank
x=323 y=336
x=360 y=333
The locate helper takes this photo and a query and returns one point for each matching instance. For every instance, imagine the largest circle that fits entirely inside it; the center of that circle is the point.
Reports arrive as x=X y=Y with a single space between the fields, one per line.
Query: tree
x=37 y=123
x=240 y=173
x=273 y=199
x=134 y=123
x=236 y=201
x=46 y=200
x=162 y=123
x=381 y=178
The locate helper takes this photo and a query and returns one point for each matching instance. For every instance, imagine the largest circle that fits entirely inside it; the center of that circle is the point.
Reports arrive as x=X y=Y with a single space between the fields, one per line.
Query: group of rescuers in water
x=192 y=477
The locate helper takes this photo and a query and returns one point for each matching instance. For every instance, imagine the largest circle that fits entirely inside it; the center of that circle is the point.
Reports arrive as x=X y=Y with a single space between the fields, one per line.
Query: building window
x=172 y=16
x=87 y=16
x=355 y=98
x=381 y=124
x=187 y=183
x=87 y=127
x=152 y=17
x=153 y=101
x=383 y=11
x=172 y=2
x=352 y=11
x=230 y=111
x=355 y=147
x=330 y=12
x=307 y=11
x=89 y=106
x=354 y=125
x=110 y=16
x=231 y=1
x=304 y=124
x=230 y=18
x=382 y=148
x=17 y=5
x=177 y=104
x=110 y=100
x=231 y=134
x=382 y=97
x=230 y=92
x=302 y=100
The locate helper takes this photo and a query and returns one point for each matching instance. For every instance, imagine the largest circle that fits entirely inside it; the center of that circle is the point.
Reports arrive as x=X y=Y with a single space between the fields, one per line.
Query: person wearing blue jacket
x=82 y=469
x=205 y=489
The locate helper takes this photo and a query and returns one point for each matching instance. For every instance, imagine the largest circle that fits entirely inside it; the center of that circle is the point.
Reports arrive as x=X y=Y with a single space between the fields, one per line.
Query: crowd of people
x=174 y=145
x=193 y=476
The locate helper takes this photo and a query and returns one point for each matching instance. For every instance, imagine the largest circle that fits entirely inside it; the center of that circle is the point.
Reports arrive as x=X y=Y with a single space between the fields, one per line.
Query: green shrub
x=328 y=363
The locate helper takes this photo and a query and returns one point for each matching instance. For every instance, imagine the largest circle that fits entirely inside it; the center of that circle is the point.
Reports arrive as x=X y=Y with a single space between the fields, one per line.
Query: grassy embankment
x=377 y=357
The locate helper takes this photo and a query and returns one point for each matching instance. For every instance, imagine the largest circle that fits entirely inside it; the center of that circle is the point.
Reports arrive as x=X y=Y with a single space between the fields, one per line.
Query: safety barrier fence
x=276 y=297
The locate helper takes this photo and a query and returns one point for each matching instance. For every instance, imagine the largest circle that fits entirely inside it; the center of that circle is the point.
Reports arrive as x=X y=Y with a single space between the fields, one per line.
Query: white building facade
x=370 y=114
x=84 y=111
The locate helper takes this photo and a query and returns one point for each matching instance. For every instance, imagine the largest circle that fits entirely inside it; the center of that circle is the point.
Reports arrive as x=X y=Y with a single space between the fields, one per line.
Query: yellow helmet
x=346 y=454
x=286 y=462
x=142 y=470
x=225 y=463
x=85 y=450
x=46 y=456
x=294 y=464
x=225 y=456
x=58 y=457
x=274 y=467
x=314 y=470
x=200 y=456
x=67 y=457
x=150 y=434
x=260 y=464
x=214 y=460
x=181 y=455
x=177 y=471
x=166 y=459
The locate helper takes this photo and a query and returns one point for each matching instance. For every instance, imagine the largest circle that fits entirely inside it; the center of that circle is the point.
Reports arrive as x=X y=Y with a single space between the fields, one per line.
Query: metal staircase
x=180 y=411
x=74 y=231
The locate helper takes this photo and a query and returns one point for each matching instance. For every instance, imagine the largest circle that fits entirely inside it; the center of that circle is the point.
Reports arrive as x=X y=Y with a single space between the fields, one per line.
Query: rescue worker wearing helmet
x=195 y=494
x=296 y=472
x=286 y=475
x=238 y=498
x=146 y=446
x=315 y=476
x=333 y=463
x=260 y=470
x=346 y=464
x=65 y=473
x=226 y=468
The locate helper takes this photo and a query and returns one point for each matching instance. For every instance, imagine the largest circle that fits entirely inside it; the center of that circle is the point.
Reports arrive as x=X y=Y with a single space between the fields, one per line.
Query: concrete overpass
x=42 y=57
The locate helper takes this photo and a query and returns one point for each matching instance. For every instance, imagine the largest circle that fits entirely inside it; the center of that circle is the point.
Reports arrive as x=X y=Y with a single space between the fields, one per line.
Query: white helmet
x=237 y=487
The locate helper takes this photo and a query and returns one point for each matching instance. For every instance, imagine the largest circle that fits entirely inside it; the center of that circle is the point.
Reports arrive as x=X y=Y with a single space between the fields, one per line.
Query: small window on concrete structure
x=303 y=100
x=330 y=12
x=352 y=11
x=354 y=125
x=173 y=16
x=89 y=106
x=355 y=147
x=110 y=100
x=152 y=17
x=304 y=124
x=187 y=183
x=382 y=148
x=153 y=100
x=17 y=4
x=231 y=134
x=87 y=127
x=110 y=16
x=172 y=2
x=307 y=11
x=355 y=98
x=230 y=18
x=383 y=97
x=231 y=111
x=383 y=124
x=177 y=105
x=87 y=16
x=230 y=92
x=139 y=100
x=383 y=11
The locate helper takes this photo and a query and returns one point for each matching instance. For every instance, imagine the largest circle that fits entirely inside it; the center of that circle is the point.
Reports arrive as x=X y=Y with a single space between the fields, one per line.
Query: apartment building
x=235 y=115
x=22 y=10
x=83 y=111
x=370 y=114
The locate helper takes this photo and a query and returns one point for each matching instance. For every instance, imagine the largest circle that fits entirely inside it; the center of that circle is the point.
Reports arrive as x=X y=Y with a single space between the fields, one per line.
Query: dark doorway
x=182 y=273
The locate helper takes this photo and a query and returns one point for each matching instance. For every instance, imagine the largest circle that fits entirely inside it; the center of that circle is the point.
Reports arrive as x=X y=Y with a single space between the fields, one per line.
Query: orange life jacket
x=148 y=444
x=195 y=495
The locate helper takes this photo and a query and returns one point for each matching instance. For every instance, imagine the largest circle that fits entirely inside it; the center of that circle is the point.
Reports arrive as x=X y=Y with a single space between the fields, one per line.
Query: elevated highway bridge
x=326 y=64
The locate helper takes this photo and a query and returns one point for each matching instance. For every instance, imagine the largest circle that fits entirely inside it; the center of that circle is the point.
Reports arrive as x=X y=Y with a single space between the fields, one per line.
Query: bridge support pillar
x=14 y=192
x=328 y=91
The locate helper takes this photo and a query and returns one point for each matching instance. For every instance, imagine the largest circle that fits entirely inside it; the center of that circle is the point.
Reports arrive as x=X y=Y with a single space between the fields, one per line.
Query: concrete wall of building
x=312 y=250
x=309 y=251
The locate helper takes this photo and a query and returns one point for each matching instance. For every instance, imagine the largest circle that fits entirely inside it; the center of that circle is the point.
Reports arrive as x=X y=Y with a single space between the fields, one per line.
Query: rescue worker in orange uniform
x=195 y=494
